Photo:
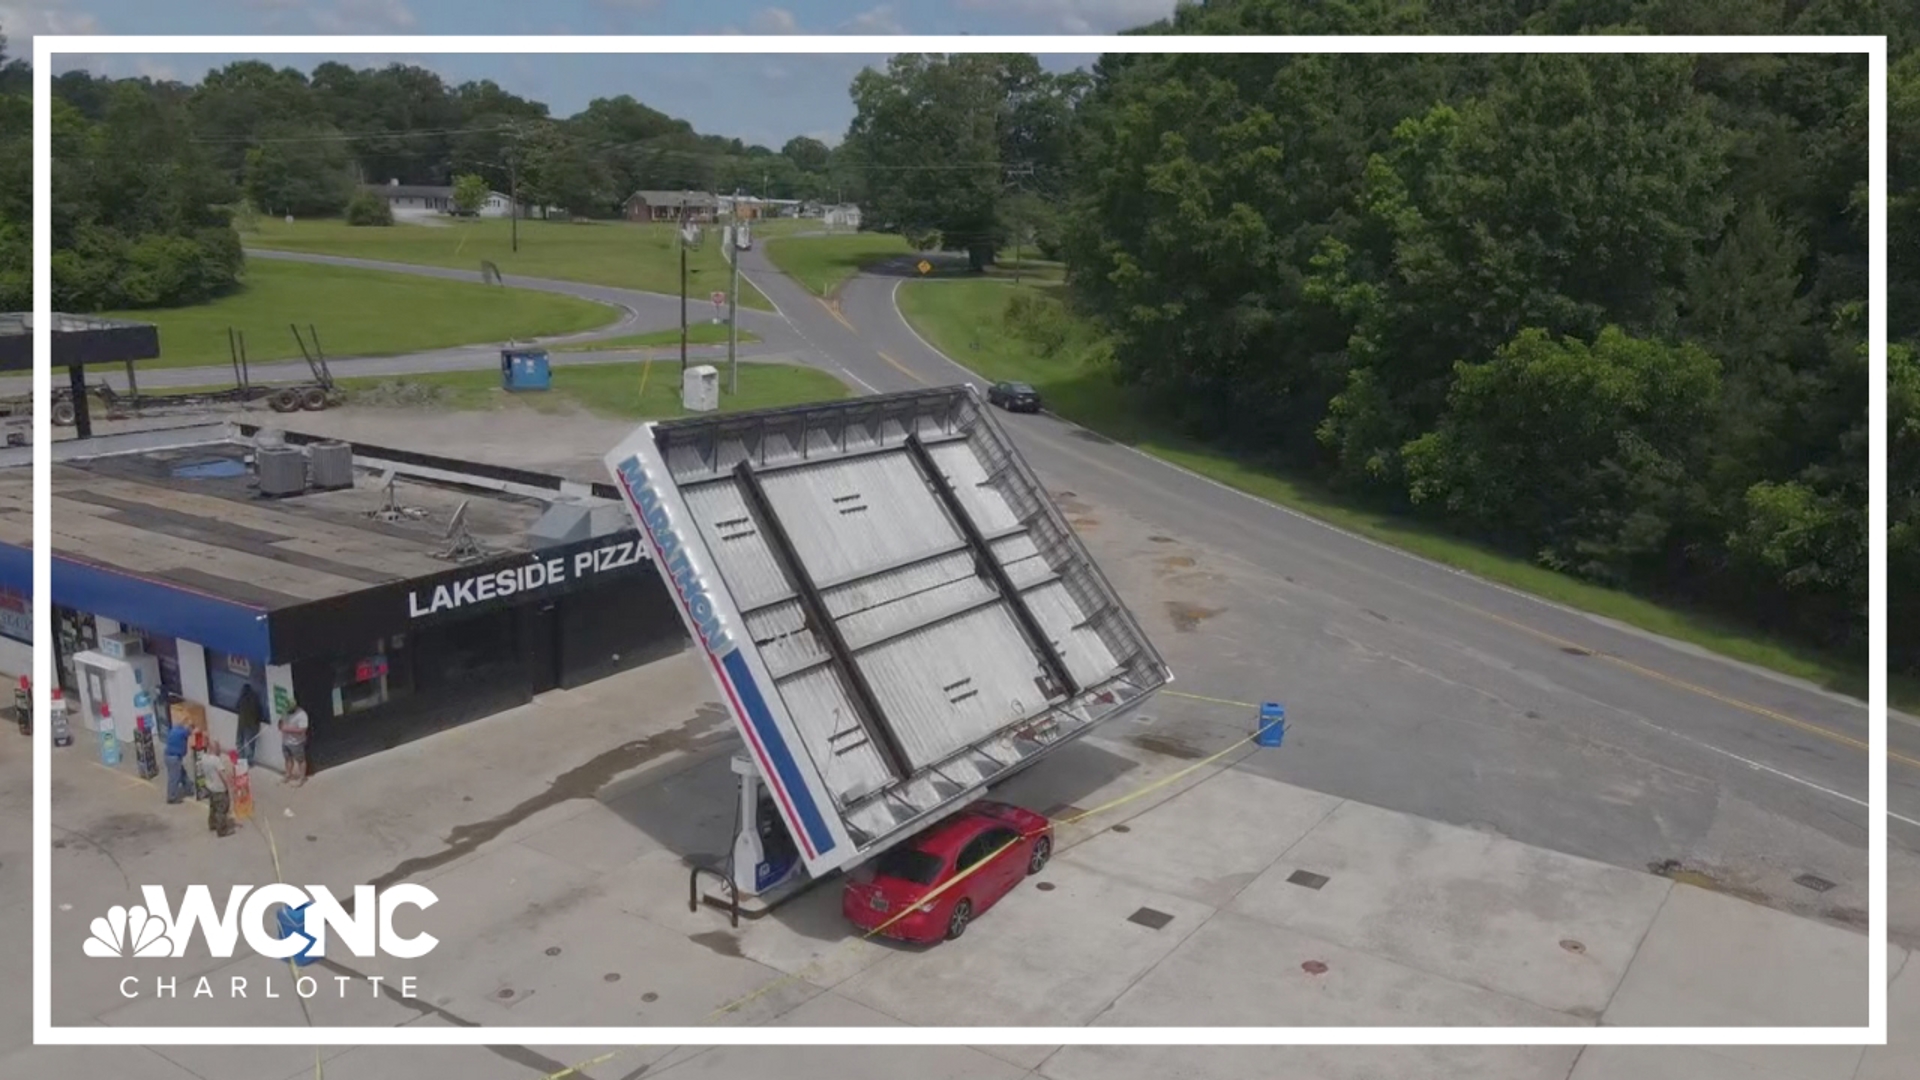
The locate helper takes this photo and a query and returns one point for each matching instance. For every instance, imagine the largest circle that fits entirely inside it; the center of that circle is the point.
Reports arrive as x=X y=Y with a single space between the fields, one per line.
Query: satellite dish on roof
x=458 y=524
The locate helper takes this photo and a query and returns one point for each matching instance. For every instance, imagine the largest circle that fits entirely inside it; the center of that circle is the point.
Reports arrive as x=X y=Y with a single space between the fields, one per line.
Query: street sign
x=719 y=298
x=925 y=266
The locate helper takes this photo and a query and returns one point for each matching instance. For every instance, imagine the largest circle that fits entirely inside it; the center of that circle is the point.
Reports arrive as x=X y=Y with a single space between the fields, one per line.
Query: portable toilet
x=700 y=389
x=524 y=369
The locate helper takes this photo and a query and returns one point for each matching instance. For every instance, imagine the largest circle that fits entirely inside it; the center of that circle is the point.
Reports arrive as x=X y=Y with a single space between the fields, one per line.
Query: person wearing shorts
x=293 y=745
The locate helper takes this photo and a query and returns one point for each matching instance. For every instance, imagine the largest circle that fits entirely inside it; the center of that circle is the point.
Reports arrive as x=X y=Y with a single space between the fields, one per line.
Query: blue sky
x=762 y=99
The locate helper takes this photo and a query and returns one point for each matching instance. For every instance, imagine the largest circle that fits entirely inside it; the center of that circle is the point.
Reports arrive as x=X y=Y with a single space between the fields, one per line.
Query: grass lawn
x=616 y=253
x=964 y=320
x=627 y=391
x=358 y=313
x=821 y=263
x=705 y=333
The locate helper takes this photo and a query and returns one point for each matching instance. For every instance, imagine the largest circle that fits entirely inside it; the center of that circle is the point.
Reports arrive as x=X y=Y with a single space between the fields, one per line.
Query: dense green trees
x=959 y=151
x=16 y=183
x=1604 y=311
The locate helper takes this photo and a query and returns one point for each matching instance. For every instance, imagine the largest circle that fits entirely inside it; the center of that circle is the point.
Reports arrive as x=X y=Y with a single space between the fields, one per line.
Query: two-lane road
x=1424 y=689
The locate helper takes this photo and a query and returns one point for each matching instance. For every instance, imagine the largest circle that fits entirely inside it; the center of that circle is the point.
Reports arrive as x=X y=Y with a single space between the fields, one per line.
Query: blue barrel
x=293 y=924
x=525 y=369
x=1273 y=724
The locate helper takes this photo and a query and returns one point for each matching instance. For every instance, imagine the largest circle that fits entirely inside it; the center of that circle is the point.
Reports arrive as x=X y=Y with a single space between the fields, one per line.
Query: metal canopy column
x=865 y=705
x=990 y=568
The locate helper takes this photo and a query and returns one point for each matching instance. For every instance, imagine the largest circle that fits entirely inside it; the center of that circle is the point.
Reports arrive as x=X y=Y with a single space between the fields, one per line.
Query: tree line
x=1604 y=312
x=150 y=174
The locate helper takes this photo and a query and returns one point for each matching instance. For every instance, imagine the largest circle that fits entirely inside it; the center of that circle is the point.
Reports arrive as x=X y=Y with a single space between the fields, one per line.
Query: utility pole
x=513 y=199
x=683 y=288
x=733 y=297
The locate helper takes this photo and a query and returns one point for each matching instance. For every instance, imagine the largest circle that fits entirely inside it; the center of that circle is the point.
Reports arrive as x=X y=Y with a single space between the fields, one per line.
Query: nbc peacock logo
x=124 y=931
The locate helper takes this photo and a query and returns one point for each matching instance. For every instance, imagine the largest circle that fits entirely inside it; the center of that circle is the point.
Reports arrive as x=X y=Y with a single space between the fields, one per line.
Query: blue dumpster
x=293 y=924
x=1273 y=724
x=524 y=369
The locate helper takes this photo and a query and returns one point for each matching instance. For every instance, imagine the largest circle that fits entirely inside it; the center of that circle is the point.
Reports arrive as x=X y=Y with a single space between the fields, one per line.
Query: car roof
x=947 y=838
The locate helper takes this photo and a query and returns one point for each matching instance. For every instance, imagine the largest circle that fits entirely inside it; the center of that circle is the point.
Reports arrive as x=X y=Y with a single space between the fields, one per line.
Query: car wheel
x=313 y=399
x=1042 y=851
x=957 y=922
x=64 y=413
x=284 y=401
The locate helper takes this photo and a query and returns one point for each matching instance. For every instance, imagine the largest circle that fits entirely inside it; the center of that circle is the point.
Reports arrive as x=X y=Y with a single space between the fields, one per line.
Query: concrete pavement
x=559 y=867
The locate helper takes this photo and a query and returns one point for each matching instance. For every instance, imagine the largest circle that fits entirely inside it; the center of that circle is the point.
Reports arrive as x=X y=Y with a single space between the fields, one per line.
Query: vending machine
x=110 y=678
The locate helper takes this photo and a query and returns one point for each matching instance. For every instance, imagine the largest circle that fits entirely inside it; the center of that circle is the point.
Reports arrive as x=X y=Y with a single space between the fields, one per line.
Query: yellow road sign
x=925 y=266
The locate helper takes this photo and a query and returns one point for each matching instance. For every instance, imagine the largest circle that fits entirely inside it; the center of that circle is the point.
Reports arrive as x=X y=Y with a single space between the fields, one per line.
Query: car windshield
x=1020 y=388
x=910 y=864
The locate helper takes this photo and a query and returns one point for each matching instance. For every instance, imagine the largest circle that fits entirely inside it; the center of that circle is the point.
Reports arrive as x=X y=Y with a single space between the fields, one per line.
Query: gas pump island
x=894 y=611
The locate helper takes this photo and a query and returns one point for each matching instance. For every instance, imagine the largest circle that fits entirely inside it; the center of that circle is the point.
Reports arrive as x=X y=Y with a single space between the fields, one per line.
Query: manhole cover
x=1046 y=886
x=1573 y=946
x=1814 y=882
x=649 y=997
x=1123 y=828
x=1314 y=967
x=1149 y=918
x=553 y=950
x=611 y=976
x=505 y=993
x=1307 y=879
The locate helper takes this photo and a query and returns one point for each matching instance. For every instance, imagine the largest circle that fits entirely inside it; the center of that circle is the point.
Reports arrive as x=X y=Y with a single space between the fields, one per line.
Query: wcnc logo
x=158 y=929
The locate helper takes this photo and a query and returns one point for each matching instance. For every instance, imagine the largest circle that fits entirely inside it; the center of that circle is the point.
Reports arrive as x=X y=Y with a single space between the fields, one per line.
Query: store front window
x=230 y=673
x=73 y=632
x=372 y=679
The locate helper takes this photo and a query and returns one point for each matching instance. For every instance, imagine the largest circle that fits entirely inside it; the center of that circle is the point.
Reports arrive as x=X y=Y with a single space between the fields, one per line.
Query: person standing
x=178 y=784
x=218 y=774
x=293 y=745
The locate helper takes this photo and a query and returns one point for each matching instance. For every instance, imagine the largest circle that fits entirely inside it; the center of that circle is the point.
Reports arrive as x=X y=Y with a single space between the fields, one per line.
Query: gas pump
x=764 y=855
x=764 y=866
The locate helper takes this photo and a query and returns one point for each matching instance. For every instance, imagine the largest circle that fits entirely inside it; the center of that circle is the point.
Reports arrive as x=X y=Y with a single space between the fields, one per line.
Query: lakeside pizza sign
x=541 y=573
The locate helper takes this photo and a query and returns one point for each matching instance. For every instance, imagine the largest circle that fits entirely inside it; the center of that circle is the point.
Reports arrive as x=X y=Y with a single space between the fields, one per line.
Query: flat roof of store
x=187 y=515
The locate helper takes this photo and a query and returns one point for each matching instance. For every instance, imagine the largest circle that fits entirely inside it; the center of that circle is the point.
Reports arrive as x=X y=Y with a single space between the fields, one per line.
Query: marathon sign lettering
x=531 y=577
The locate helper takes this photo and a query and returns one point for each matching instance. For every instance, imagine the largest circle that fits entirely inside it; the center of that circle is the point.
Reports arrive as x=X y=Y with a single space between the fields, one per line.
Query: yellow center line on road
x=904 y=369
x=837 y=317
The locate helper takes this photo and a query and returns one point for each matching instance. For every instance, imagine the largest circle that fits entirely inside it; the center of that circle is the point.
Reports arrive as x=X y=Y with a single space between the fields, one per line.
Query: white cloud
x=24 y=19
x=879 y=20
x=363 y=17
x=773 y=20
x=1080 y=16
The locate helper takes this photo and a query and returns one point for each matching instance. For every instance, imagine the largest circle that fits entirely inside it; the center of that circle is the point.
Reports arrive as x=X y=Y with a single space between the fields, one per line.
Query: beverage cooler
x=110 y=676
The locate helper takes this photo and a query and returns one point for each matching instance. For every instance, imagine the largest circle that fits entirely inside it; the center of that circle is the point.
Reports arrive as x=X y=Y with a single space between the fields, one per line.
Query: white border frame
x=45 y=48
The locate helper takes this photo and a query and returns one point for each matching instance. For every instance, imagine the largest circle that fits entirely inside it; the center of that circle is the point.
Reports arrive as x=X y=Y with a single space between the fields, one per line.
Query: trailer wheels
x=63 y=413
x=313 y=399
x=284 y=401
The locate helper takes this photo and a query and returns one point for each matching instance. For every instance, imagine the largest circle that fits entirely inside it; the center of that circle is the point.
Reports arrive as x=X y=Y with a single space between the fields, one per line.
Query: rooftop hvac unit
x=332 y=465
x=282 y=469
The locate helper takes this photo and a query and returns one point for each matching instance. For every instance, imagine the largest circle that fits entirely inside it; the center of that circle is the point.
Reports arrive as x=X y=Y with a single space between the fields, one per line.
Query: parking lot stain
x=1171 y=563
x=1168 y=745
x=1186 y=617
x=707 y=725
x=719 y=941
x=1162 y=539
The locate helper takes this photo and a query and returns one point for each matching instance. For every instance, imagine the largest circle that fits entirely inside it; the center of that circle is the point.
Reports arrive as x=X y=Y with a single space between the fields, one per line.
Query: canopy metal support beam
x=866 y=705
x=990 y=567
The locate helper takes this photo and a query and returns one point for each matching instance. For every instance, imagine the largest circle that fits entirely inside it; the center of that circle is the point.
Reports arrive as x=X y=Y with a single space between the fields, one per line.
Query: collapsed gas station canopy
x=895 y=611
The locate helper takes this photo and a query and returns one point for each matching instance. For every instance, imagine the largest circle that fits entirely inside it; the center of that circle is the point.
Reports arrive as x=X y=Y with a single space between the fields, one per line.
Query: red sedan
x=901 y=878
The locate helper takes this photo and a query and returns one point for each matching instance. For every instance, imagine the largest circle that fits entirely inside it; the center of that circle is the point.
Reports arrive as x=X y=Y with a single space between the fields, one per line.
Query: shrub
x=367 y=208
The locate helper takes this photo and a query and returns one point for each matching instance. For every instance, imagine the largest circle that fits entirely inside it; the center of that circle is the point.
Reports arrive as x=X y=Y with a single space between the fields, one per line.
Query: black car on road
x=1014 y=397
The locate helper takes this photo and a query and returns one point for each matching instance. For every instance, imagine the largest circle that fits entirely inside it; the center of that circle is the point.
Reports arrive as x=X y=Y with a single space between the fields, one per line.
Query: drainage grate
x=1149 y=918
x=1307 y=879
x=1814 y=882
